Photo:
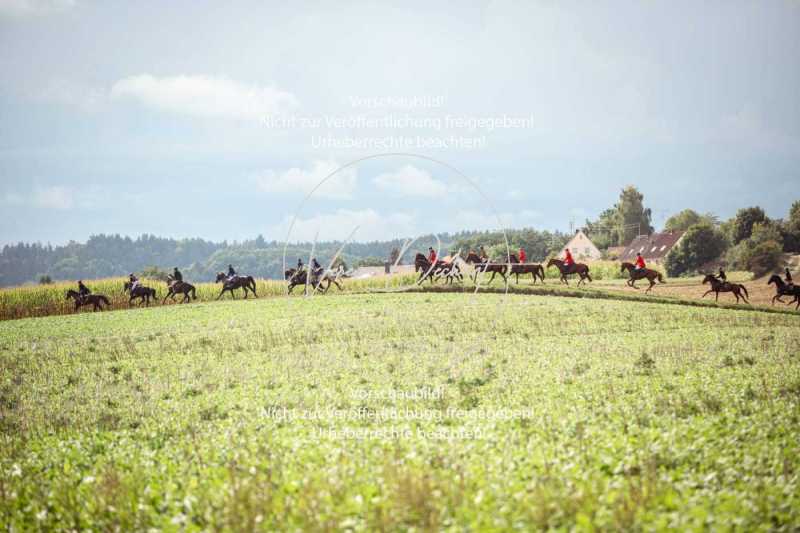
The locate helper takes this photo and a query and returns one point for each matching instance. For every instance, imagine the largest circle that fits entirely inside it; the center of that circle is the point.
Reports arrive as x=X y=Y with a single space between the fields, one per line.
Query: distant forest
x=114 y=255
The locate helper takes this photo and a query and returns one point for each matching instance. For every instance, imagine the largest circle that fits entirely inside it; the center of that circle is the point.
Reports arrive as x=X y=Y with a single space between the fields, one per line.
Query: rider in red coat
x=568 y=260
x=522 y=256
x=431 y=255
x=640 y=261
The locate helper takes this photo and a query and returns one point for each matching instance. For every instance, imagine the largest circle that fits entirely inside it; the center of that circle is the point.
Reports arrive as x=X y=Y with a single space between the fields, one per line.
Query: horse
x=576 y=268
x=718 y=286
x=296 y=278
x=641 y=273
x=179 y=287
x=236 y=282
x=140 y=291
x=441 y=269
x=484 y=266
x=534 y=269
x=784 y=289
x=97 y=300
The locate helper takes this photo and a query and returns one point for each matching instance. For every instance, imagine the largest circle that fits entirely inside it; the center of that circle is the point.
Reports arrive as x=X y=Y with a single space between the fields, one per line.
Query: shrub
x=701 y=243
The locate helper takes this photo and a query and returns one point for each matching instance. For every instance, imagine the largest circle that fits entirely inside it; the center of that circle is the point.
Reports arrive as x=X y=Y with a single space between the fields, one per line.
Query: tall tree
x=687 y=218
x=741 y=227
x=623 y=222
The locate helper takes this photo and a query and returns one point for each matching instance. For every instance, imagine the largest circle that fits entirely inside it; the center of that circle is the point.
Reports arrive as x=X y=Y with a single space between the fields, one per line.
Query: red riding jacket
x=522 y=256
x=640 y=262
x=568 y=260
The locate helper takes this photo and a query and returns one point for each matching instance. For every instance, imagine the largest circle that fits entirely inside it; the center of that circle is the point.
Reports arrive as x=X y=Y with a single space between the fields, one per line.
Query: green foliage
x=687 y=218
x=742 y=225
x=760 y=253
x=640 y=417
x=370 y=262
x=623 y=222
x=153 y=272
x=791 y=226
x=45 y=280
x=700 y=244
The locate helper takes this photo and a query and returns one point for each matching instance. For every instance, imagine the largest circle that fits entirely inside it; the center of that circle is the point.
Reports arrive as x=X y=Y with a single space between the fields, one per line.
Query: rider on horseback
x=431 y=255
x=316 y=268
x=789 y=281
x=568 y=260
x=522 y=256
x=83 y=290
x=134 y=281
x=176 y=275
x=299 y=264
x=640 y=262
x=231 y=272
x=482 y=254
x=721 y=276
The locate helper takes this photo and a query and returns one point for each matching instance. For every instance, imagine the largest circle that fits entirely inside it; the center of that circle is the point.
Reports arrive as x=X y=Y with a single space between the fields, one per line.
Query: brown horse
x=236 y=282
x=449 y=271
x=140 y=291
x=296 y=278
x=97 y=300
x=576 y=268
x=641 y=273
x=179 y=287
x=718 y=286
x=784 y=289
x=534 y=269
x=484 y=266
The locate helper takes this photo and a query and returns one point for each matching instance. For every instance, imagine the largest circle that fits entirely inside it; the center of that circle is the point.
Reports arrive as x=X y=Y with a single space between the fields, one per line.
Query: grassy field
x=395 y=411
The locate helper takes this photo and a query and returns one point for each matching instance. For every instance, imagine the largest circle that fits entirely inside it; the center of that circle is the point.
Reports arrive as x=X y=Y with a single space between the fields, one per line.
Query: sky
x=220 y=119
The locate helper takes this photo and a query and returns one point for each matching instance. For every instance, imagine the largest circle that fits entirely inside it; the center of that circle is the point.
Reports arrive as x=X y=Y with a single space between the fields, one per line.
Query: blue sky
x=153 y=117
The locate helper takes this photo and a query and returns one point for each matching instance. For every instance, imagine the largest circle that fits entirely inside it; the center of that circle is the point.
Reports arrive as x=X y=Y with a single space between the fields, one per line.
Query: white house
x=582 y=247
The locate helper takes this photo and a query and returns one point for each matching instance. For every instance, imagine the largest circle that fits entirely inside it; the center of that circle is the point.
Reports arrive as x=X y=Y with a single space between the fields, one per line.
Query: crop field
x=389 y=412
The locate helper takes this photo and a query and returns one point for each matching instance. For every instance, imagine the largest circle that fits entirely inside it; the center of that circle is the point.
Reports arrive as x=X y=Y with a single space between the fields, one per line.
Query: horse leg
x=492 y=278
x=706 y=293
x=652 y=284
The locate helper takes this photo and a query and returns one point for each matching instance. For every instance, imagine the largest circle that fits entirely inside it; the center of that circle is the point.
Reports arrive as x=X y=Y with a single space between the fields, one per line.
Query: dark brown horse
x=321 y=282
x=641 y=273
x=576 y=268
x=140 y=291
x=449 y=271
x=179 y=287
x=247 y=283
x=534 y=269
x=97 y=300
x=484 y=266
x=718 y=286
x=784 y=289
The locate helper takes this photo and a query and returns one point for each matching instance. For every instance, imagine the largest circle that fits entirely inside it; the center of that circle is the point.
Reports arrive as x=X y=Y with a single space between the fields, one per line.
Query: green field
x=287 y=414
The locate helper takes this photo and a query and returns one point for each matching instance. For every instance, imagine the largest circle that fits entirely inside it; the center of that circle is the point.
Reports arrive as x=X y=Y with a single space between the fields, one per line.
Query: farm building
x=654 y=248
x=582 y=247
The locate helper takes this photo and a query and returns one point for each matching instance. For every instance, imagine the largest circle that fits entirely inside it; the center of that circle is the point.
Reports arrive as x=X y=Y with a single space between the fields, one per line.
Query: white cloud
x=339 y=224
x=486 y=220
x=410 y=181
x=26 y=8
x=297 y=180
x=204 y=96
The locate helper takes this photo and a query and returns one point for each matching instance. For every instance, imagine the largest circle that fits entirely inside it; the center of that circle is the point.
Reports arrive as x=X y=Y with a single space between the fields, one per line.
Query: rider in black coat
x=231 y=271
x=83 y=290
x=176 y=274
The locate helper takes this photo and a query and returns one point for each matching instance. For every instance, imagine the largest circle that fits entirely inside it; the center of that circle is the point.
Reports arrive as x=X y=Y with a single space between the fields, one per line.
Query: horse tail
x=194 y=296
x=587 y=273
x=661 y=278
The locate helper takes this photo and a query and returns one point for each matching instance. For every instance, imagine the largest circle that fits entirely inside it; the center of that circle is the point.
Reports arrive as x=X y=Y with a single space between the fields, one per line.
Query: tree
x=393 y=255
x=742 y=224
x=623 y=222
x=791 y=229
x=760 y=253
x=700 y=244
x=687 y=218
